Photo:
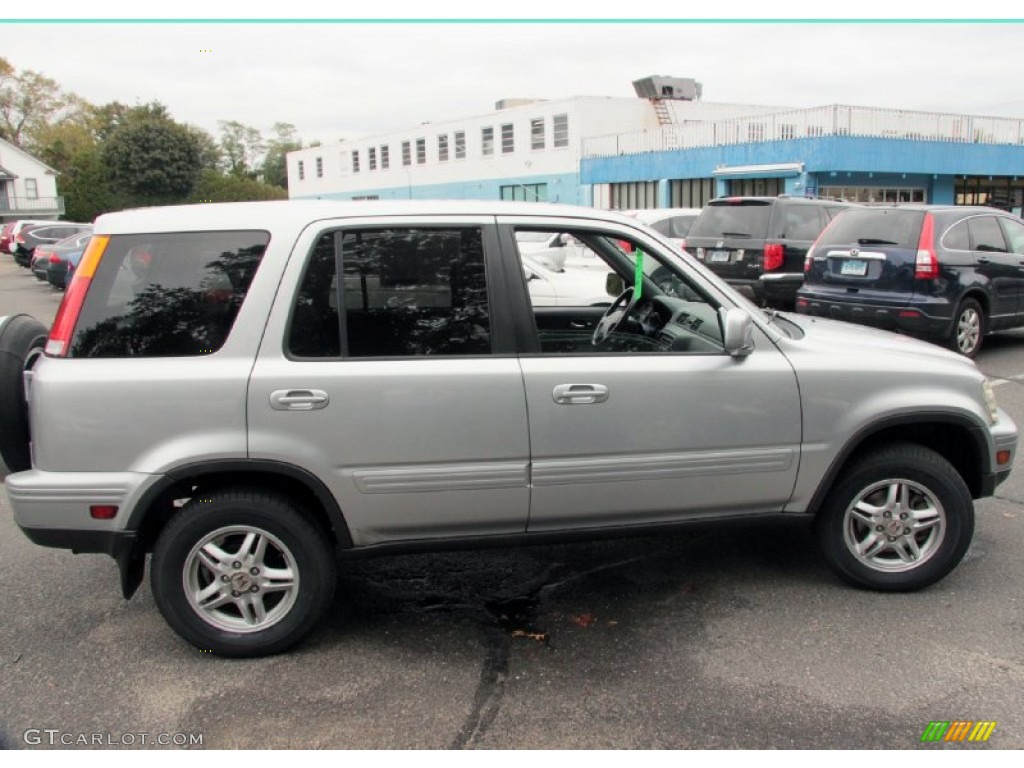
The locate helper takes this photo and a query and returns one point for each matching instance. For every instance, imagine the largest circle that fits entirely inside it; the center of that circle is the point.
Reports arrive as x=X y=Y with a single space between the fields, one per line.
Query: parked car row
x=943 y=273
x=48 y=248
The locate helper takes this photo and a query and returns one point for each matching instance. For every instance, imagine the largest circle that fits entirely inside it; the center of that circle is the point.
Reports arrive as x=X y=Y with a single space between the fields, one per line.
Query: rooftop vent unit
x=512 y=103
x=662 y=87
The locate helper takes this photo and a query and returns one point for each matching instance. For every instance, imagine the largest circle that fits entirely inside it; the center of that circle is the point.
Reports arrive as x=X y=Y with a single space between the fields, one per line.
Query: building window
x=634 y=194
x=406 y=153
x=31 y=189
x=691 y=193
x=561 y=131
x=302 y=171
x=371 y=158
x=487 y=141
x=537 y=133
x=755 y=132
x=355 y=161
x=442 y=148
x=460 y=145
x=508 y=138
x=319 y=167
x=421 y=151
x=876 y=194
x=787 y=131
x=815 y=130
x=531 y=193
x=385 y=159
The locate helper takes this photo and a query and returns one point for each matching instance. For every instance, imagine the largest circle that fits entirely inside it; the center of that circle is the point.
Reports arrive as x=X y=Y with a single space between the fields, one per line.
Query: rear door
x=387 y=371
x=994 y=263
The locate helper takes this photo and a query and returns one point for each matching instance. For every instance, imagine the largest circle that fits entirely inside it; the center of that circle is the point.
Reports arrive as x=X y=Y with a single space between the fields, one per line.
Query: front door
x=656 y=422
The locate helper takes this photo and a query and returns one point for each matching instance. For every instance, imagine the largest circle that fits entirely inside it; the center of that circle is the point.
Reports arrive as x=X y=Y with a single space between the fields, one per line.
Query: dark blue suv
x=949 y=274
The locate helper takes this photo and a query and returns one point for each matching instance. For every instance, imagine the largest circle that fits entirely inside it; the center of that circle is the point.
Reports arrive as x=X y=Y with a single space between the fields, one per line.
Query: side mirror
x=564 y=239
x=737 y=331
x=529 y=274
x=614 y=285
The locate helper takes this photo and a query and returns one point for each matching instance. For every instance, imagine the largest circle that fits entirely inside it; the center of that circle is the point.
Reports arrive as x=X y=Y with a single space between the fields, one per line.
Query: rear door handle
x=579 y=394
x=298 y=399
x=983 y=259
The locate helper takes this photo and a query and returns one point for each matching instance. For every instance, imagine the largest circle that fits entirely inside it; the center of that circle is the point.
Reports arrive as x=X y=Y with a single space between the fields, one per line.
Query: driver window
x=580 y=286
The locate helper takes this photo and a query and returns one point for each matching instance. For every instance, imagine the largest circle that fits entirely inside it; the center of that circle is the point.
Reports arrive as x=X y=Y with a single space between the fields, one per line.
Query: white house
x=28 y=187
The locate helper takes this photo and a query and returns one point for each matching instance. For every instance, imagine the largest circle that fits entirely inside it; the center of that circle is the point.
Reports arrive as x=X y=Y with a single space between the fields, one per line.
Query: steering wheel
x=614 y=316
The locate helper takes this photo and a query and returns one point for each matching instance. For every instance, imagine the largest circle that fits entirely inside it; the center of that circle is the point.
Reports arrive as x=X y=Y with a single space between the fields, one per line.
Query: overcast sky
x=347 y=80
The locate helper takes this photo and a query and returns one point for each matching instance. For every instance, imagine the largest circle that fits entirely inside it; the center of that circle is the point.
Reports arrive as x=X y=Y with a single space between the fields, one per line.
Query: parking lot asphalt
x=726 y=636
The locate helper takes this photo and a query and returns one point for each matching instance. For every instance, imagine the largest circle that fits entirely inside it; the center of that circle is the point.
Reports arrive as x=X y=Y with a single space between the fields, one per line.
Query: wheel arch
x=956 y=438
x=156 y=506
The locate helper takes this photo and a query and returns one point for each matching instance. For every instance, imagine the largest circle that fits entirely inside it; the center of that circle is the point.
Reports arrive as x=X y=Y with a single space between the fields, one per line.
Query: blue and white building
x=668 y=148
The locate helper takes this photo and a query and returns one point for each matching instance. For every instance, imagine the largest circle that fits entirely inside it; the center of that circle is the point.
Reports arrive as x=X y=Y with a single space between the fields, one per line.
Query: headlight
x=990 y=401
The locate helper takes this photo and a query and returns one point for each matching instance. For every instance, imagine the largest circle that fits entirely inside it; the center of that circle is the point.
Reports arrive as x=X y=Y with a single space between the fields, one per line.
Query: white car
x=673 y=223
x=569 y=286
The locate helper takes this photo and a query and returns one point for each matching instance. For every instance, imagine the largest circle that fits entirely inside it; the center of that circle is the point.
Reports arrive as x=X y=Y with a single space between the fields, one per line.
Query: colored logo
x=958 y=730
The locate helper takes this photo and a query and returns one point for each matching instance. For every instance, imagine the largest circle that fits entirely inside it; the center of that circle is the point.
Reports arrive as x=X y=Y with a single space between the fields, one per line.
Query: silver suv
x=246 y=390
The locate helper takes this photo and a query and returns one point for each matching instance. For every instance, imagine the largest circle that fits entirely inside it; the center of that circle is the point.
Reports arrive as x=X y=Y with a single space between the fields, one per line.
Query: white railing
x=835 y=120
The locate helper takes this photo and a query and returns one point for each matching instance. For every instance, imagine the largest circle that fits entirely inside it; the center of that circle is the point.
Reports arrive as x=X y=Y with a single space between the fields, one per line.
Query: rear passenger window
x=986 y=234
x=1014 y=231
x=167 y=295
x=402 y=293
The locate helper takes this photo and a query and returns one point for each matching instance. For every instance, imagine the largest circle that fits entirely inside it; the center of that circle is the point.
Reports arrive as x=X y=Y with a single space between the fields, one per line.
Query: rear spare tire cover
x=19 y=336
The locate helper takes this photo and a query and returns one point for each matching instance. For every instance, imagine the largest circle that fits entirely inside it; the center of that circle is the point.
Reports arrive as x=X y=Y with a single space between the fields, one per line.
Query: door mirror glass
x=614 y=285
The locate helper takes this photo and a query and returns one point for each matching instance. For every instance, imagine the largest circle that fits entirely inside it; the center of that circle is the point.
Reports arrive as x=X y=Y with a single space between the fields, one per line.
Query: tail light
x=20 y=238
x=70 y=308
x=773 y=256
x=926 y=266
x=54 y=258
x=682 y=243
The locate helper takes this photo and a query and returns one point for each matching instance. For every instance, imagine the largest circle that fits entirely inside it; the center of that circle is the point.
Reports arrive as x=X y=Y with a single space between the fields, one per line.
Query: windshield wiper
x=735 y=234
x=874 y=241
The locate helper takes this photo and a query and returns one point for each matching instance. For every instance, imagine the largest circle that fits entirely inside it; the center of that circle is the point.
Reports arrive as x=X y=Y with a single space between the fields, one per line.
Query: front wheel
x=242 y=573
x=900 y=519
x=968 y=328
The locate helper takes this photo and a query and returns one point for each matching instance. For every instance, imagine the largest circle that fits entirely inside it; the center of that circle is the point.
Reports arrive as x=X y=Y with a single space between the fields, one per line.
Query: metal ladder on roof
x=662 y=111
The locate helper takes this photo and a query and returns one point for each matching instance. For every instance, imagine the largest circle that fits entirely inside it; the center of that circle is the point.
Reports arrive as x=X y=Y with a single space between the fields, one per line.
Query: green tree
x=242 y=145
x=153 y=159
x=28 y=100
x=275 y=162
x=216 y=187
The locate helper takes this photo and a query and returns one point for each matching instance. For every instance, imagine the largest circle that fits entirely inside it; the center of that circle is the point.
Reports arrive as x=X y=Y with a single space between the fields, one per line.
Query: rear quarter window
x=167 y=295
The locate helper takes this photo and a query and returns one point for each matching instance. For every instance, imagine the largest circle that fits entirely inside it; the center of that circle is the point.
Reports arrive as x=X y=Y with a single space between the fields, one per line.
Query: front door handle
x=298 y=399
x=579 y=394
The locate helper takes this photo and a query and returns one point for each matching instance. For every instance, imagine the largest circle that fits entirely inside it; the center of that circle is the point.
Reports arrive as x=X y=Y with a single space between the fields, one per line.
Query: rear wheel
x=21 y=338
x=900 y=518
x=968 y=328
x=242 y=573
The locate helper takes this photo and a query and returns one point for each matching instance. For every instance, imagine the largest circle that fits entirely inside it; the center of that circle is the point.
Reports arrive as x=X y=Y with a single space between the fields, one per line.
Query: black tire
x=20 y=336
x=939 y=519
x=293 y=543
x=969 y=327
